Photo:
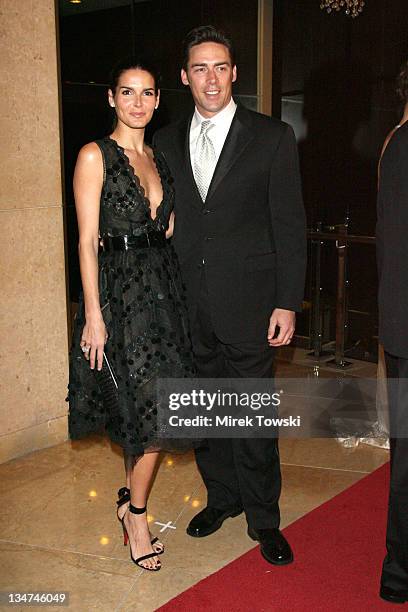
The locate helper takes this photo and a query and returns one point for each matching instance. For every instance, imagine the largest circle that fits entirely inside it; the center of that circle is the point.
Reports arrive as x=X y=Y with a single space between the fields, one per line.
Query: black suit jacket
x=249 y=236
x=392 y=244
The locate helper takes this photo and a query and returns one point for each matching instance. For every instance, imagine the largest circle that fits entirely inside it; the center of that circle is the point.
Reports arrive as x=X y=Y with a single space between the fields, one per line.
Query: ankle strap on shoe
x=135 y=510
x=123 y=491
x=124 y=496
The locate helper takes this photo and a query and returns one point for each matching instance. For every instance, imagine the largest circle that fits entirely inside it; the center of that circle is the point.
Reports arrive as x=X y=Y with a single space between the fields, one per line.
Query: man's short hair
x=202 y=34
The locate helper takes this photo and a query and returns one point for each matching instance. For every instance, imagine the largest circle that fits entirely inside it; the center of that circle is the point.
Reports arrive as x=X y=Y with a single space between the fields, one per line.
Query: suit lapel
x=238 y=138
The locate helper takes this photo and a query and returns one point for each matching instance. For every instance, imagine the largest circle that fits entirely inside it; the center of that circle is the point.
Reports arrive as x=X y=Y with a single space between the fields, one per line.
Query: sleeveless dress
x=143 y=305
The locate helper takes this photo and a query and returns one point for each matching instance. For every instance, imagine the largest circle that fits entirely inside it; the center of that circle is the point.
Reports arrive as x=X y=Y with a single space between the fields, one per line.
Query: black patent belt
x=125 y=243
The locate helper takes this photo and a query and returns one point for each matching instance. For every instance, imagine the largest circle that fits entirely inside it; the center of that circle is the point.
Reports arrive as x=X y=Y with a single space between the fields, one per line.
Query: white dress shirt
x=217 y=133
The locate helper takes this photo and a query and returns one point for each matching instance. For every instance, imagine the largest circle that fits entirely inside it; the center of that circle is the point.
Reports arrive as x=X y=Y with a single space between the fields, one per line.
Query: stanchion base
x=342 y=365
x=320 y=355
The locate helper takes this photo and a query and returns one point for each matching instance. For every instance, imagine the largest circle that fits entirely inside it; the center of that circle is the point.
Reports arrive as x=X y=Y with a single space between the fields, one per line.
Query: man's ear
x=234 y=74
x=184 y=77
x=156 y=106
x=110 y=98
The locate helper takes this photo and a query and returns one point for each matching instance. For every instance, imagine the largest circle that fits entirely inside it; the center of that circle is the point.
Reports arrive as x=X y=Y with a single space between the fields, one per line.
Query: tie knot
x=205 y=126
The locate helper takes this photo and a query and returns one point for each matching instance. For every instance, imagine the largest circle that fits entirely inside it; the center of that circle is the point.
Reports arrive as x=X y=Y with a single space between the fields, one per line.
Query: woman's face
x=135 y=98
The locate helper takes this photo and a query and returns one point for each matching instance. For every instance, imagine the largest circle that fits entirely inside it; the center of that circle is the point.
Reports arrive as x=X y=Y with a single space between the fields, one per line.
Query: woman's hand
x=94 y=337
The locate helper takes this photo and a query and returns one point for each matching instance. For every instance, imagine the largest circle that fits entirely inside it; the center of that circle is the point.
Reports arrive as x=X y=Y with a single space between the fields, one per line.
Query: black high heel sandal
x=123 y=498
x=139 y=560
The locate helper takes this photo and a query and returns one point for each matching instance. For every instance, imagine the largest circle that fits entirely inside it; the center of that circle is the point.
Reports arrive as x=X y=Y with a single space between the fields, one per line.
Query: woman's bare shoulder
x=90 y=153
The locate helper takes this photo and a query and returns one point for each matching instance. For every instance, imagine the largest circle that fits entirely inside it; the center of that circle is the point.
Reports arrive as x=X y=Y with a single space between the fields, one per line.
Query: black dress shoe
x=274 y=547
x=209 y=520
x=397 y=597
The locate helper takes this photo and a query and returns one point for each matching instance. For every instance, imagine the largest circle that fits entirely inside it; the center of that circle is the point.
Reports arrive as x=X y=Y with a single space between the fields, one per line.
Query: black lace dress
x=143 y=305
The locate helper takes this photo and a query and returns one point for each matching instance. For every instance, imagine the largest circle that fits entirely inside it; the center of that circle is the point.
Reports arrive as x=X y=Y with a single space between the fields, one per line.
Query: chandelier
x=351 y=7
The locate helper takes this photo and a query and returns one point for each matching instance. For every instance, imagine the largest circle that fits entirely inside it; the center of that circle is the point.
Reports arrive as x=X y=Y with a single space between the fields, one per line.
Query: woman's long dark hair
x=133 y=64
x=402 y=83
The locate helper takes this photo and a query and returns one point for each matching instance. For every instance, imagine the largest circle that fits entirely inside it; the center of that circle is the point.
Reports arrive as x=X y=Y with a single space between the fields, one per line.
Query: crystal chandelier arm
x=351 y=7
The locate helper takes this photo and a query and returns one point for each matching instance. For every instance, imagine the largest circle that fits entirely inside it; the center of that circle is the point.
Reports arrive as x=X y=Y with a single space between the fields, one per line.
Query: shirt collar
x=224 y=116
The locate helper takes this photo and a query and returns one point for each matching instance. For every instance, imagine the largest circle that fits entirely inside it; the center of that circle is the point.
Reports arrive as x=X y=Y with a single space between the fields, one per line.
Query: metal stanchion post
x=343 y=239
x=317 y=333
x=317 y=319
x=341 y=244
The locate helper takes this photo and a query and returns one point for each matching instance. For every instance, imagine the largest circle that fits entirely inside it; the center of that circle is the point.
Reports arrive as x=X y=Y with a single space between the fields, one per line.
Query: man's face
x=210 y=76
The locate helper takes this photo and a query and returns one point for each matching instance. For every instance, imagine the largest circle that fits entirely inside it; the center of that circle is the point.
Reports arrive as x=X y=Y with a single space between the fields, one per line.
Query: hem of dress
x=138 y=450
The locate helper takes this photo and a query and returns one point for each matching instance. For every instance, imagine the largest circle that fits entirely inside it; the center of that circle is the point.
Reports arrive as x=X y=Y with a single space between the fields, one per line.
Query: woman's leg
x=139 y=474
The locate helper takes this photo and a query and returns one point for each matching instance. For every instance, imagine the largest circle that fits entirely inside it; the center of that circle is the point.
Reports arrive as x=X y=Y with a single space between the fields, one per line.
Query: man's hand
x=285 y=320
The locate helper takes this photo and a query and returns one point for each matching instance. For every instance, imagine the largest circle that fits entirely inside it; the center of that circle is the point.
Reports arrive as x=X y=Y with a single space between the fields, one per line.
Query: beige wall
x=33 y=322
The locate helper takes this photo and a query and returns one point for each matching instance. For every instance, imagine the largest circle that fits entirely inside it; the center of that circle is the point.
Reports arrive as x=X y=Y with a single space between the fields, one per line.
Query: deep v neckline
x=138 y=184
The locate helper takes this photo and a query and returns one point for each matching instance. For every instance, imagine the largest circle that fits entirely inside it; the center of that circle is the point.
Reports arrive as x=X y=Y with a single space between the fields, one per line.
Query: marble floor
x=59 y=531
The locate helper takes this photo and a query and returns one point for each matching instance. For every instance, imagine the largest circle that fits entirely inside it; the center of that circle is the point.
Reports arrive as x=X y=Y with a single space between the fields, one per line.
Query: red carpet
x=339 y=548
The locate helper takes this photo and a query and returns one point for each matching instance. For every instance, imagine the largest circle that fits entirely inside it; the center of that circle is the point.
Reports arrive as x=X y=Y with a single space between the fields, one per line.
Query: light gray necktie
x=205 y=160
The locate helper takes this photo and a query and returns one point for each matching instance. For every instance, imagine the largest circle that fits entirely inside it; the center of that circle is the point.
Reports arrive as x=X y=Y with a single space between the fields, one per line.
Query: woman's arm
x=88 y=180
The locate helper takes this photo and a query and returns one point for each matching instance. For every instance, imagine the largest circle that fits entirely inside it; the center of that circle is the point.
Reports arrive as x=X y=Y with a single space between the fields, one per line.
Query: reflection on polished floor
x=59 y=531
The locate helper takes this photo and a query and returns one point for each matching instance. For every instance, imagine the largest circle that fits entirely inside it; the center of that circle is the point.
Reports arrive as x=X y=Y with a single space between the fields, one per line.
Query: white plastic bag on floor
x=373 y=434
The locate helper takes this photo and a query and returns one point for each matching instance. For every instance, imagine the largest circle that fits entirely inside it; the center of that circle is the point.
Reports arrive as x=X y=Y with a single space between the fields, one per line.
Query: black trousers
x=395 y=567
x=238 y=473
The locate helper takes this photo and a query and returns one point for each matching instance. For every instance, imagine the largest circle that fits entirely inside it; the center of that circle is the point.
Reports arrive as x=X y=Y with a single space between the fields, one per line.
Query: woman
x=392 y=224
x=132 y=298
x=402 y=93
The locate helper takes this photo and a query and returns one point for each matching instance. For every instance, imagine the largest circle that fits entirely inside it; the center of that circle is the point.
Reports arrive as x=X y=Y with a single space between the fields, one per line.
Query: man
x=392 y=256
x=240 y=238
